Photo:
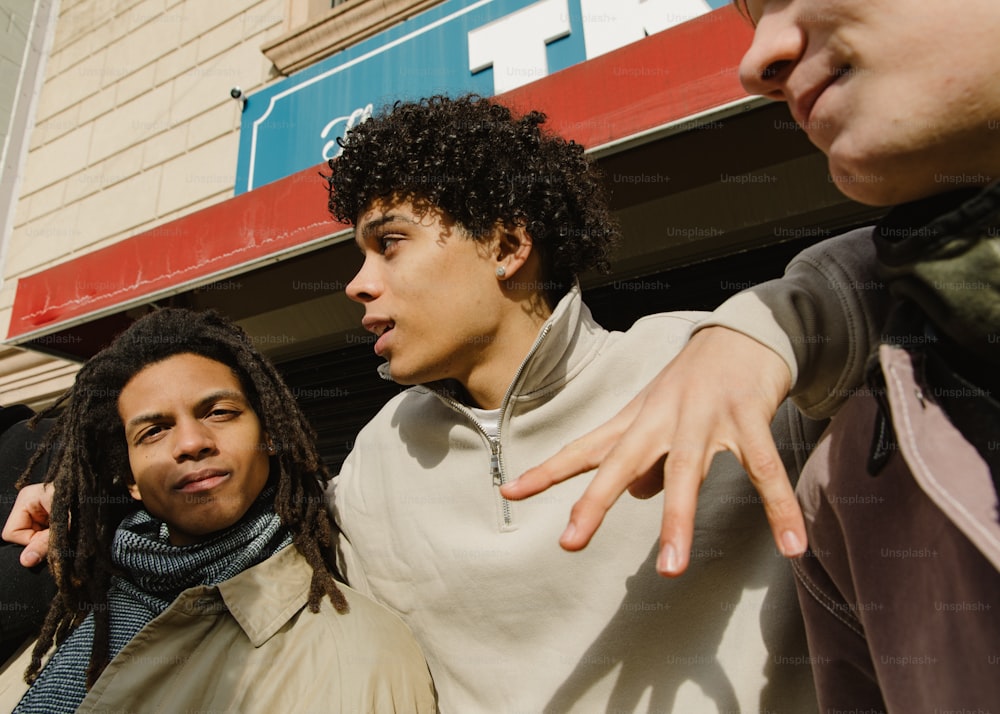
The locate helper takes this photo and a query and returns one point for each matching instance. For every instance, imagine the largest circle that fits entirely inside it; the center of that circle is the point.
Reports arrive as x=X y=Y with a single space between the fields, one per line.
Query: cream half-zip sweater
x=511 y=623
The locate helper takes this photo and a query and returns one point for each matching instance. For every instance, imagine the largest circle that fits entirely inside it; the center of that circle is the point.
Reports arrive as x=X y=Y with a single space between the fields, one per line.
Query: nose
x=192 y=440
x=367 y=284
x=778 y=44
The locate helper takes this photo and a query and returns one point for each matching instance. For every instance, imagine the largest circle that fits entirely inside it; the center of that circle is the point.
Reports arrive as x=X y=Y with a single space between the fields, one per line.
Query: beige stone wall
x=134 y=128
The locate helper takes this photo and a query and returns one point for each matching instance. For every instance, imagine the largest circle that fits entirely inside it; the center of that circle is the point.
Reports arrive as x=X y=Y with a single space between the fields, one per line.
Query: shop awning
x=661 y=85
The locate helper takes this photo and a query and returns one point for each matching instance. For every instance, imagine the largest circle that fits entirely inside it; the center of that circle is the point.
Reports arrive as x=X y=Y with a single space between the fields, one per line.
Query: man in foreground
x=900 y=497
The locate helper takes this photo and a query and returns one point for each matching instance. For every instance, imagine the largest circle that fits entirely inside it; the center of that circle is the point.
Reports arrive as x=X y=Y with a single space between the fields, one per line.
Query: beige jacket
x=250 y=644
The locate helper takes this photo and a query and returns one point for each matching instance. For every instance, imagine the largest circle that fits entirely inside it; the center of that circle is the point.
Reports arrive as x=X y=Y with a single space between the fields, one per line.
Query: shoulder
x=414 y=401
x=660 y=334
x=412 y=417
x=368 y=643
x=366 y=624
x=367 y=634
x=382 y=628
x=678 y=320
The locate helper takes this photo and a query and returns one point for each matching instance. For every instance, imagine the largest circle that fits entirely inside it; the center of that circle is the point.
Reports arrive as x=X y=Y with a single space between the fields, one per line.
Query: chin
x=402 y=376
x=869 y=184
x=884 y=174
x=889 y=192
x=867 y=194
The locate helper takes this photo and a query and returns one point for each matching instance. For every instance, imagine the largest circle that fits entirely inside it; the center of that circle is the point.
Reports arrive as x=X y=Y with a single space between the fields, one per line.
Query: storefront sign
x=488 y=47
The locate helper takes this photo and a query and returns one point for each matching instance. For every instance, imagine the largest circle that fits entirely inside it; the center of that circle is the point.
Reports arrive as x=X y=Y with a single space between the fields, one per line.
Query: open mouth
x=381 y=333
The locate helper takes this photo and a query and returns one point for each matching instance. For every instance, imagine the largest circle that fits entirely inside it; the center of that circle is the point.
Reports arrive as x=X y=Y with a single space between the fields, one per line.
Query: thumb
x=37 y=549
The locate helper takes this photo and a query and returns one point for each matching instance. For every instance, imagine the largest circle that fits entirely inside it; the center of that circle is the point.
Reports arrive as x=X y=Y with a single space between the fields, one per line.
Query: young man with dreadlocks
x=189 y=538
x=474 y=224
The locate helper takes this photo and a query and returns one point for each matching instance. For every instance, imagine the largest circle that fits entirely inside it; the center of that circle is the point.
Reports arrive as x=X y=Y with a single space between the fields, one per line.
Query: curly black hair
x=90 y=471
x=484 y=166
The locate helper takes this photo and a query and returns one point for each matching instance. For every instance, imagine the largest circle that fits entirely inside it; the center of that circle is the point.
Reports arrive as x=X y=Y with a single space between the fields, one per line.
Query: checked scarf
x=156 y=572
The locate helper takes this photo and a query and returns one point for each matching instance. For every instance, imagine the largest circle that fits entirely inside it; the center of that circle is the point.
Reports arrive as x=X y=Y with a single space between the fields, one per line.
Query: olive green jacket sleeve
x=822 y=317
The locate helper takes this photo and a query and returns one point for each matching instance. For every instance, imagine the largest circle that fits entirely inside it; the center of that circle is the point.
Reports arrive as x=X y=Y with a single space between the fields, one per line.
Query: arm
x=822 y=318
x=809 y=332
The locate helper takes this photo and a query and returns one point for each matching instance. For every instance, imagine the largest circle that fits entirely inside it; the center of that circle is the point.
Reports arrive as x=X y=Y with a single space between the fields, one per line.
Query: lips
x=380 y=327
x=383 y=340
x=203 y=480
x=802 y=106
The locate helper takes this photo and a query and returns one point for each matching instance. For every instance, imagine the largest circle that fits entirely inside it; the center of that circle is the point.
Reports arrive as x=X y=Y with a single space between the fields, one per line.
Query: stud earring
x=501 y=271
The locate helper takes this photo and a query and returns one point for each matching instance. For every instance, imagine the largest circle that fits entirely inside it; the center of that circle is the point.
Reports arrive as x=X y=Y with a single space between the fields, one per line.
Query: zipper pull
x=495 y=462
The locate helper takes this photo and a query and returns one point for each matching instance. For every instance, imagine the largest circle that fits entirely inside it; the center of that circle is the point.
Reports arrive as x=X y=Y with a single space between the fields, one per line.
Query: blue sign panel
x=484 y=46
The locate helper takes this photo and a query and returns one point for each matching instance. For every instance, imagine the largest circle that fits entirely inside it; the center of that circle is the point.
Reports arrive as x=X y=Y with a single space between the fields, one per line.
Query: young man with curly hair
x=900 y=499
x=192 y=547
x=474 y=224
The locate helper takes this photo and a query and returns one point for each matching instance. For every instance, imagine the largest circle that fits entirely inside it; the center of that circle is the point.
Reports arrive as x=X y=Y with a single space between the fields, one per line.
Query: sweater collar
x=571 y=338
x=565 y=342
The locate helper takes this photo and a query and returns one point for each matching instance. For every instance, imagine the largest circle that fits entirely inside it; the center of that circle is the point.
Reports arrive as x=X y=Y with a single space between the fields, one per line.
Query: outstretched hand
x=720 y=393
x=28 y=523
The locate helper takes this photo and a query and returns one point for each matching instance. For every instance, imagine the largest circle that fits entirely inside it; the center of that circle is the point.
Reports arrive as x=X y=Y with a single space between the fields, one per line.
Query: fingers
x=682 y=474
x=634 y=463
x=767 y=474
x=588 y=512
x=701 y=403
x=29 y=514
x=19 y=528
x=28 y=523
x=577 y=457
x=37 y=549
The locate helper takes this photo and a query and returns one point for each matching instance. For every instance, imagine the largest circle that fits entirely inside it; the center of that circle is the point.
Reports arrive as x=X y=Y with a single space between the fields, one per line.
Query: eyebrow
x=376 y=223
x=381 y=221
x=202 y=403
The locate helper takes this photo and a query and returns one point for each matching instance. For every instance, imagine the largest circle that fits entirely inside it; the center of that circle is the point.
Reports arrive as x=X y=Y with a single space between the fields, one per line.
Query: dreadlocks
x=90 y=469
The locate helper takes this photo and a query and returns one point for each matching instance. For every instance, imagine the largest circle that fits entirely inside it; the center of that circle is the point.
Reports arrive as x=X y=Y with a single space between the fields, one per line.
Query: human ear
x=513 y=247
x=133 y=489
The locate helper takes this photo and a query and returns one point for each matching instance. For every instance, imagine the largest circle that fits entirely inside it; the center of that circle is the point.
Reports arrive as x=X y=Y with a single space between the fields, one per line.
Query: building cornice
x=340 y=28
